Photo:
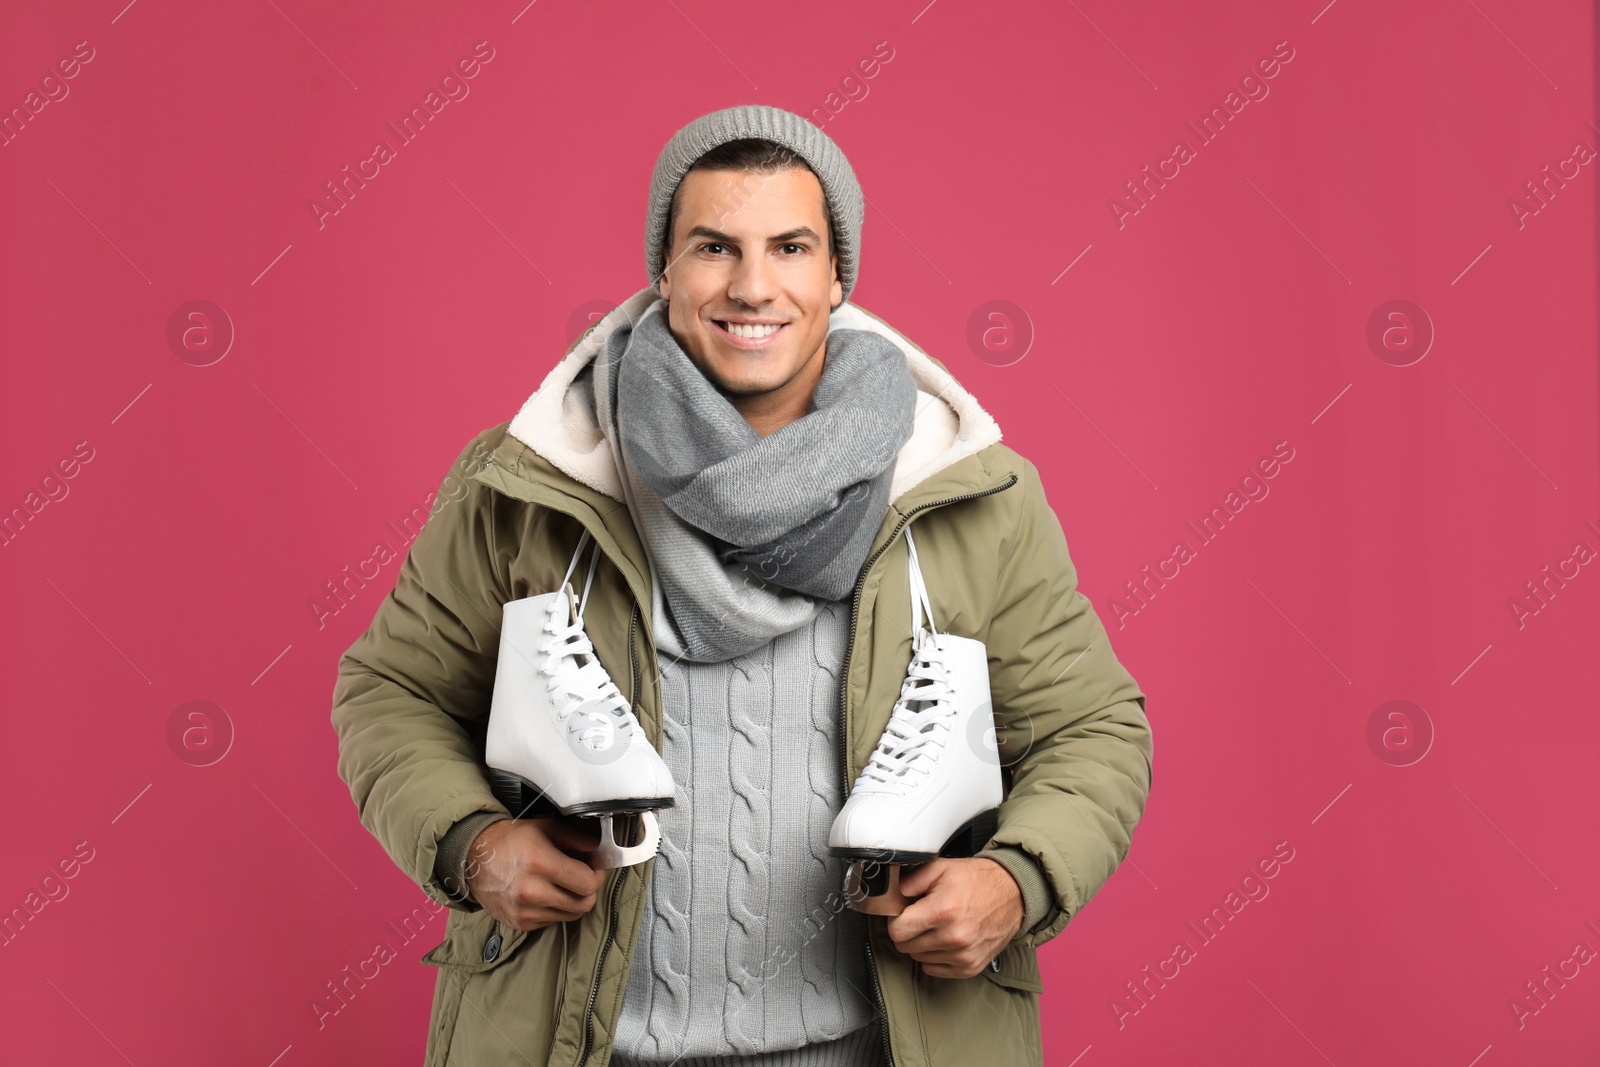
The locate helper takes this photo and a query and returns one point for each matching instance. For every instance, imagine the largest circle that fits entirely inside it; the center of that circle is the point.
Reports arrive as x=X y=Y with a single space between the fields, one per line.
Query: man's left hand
x=966 y=912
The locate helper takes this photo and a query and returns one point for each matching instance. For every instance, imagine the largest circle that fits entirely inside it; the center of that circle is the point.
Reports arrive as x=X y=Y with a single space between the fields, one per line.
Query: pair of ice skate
x=562 y=739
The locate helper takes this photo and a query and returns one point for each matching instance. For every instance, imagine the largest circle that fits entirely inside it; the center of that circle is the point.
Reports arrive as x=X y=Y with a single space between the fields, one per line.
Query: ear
x=836 y=293
x=664 y=284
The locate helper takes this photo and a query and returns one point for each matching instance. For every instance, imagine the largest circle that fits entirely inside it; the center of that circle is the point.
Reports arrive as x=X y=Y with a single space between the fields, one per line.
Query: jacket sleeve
x=413 y=691
x=1071 y=720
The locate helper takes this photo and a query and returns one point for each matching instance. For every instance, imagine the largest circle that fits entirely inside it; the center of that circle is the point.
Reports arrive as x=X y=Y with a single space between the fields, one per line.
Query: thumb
x=919 y=880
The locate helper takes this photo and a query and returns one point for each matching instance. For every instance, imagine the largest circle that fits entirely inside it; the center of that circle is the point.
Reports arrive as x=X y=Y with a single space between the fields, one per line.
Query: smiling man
x=751 y=307
x=747 y=450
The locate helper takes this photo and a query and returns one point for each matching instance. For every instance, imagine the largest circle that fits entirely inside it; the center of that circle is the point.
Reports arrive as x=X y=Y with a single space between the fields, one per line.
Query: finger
x=924 y=915
x=547 y=900
x=938 y=939
x=947 y=957
x=920 y=879
x=910 y=923
x=574 y=876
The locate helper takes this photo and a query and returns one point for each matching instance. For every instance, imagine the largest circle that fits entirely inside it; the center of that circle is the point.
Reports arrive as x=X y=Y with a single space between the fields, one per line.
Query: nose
x=754 y=282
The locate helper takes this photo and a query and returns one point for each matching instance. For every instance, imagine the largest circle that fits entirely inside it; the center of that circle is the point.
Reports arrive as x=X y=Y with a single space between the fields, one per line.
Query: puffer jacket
x=411 y=704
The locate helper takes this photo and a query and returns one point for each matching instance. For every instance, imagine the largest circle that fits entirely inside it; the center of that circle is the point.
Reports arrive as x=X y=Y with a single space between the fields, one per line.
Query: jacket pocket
x=1017 y=967
x=474 y=943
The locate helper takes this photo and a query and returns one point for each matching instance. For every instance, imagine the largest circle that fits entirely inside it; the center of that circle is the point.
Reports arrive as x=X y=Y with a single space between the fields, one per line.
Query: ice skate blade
x=860 y=898
x=610 y=854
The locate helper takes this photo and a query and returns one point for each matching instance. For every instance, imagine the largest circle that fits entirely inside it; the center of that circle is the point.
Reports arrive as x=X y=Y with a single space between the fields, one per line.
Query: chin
x=747 y=385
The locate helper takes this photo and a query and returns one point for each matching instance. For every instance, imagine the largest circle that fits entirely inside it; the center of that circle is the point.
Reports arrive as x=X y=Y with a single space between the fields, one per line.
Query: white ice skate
x=932 y=786
x=562 y=738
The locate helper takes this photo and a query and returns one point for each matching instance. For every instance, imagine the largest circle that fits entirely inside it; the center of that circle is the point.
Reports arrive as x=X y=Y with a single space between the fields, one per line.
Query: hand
x=967 y=911
x=522 y=872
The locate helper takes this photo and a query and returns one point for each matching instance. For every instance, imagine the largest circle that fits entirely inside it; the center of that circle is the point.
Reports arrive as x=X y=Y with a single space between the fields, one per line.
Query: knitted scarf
x=748 y=535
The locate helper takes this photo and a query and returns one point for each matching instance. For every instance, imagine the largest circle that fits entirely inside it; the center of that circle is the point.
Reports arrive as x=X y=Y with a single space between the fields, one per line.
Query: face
x=749 y=284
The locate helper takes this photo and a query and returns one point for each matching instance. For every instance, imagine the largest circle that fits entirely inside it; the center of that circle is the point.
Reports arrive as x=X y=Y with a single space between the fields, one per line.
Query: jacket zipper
x=844 y=732
x=611 y=925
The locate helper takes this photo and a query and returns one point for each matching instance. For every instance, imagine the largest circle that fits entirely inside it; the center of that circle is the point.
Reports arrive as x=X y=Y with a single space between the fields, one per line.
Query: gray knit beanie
x=839 y=183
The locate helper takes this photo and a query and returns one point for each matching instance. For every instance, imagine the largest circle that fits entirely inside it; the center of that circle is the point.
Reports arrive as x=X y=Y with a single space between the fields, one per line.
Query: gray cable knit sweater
x=774 y=959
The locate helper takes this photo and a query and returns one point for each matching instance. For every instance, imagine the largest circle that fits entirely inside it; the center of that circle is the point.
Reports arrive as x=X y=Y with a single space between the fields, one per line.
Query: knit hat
x=839 y=185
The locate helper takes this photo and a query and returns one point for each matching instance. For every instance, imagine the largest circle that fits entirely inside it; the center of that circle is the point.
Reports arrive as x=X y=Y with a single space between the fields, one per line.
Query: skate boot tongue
x=918 y=726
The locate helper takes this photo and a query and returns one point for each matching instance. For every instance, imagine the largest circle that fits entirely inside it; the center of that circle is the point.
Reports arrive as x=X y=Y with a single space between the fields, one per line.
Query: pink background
x=1228 y=315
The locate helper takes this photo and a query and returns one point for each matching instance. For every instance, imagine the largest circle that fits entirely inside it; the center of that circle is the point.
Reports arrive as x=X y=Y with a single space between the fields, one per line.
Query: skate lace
x=920 y=724
x=586 y=698
x=924 y=715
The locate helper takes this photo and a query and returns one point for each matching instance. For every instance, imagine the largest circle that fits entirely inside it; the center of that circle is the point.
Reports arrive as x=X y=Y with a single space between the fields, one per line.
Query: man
x=747 y=449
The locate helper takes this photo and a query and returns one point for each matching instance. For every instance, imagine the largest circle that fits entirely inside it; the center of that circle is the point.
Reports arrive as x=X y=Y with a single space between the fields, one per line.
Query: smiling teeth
x=741 y=330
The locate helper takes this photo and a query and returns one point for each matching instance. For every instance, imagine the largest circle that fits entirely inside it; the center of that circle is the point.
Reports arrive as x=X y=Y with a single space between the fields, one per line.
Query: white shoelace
x=587 y=699
x=923 y=716
x=926 y=711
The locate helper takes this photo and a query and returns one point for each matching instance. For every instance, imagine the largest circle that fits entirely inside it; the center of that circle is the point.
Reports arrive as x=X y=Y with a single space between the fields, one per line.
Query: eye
x=799 y=248
x=712 y=244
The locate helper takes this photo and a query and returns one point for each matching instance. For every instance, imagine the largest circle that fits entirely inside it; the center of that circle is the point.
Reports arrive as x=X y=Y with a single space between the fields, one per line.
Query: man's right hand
x=521 y=872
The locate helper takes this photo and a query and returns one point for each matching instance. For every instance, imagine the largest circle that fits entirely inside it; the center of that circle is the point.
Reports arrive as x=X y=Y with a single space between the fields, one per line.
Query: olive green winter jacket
x=411 y=705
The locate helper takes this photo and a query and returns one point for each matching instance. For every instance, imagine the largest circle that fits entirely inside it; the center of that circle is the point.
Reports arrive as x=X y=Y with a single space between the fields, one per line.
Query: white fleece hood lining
x=556 y=421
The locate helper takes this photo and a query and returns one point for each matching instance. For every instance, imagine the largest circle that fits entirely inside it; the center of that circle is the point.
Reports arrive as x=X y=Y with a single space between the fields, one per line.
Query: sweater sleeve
x=1030 y=881
x=450 y=866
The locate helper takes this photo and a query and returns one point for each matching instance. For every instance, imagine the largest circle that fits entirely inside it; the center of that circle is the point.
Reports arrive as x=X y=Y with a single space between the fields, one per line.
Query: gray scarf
x=749 y=535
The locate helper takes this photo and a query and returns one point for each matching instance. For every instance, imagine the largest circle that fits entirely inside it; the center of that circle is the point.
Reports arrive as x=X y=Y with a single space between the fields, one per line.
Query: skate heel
x=507 y=789
x=973 y=835
x=522 y=798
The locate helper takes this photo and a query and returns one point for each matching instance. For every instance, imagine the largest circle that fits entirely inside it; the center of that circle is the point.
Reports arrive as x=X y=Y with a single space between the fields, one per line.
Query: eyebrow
x=717 y=235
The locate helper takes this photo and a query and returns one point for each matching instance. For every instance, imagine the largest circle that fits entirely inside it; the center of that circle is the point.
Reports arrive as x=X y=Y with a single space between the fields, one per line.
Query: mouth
x=750 y=335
